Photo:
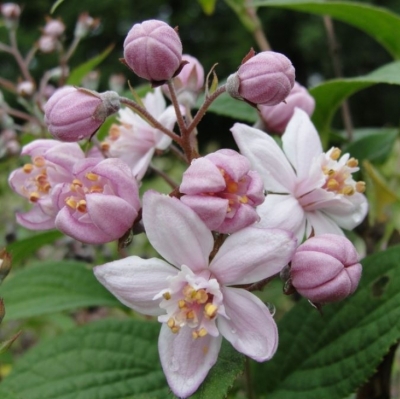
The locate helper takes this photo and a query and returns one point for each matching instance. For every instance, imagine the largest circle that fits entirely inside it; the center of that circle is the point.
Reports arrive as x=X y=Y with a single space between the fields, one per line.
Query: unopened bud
x=74 y=114
x=5 y=264
x=10 y=13
x=47 y=44
x=153 y=50
x=85 y=24
x=265 y=79
x=26 y=88
x=54 y=28
x=325 y=268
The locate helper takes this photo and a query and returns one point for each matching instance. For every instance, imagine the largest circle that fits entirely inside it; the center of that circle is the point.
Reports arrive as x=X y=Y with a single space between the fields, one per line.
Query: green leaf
x=56 y=5
x=108 y=359
x=381 y=24
x=82 y=70
x=208 y=6
x=329 y=95
x=23 y=249
x=328 y=356
x=372 y=144
x=52 y=287
x=5 y=394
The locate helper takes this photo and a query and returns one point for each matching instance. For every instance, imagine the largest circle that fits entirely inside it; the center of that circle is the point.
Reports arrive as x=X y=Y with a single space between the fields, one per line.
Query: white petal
x=250 y=329
x=252 y=254
x=135 y=282
x=186 y=361
x=176 y=232
x=265 y=157
x=320 y=223
x=301 y=143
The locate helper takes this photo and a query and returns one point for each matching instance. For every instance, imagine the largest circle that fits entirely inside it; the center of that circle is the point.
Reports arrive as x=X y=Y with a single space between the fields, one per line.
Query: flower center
x=338 y=171
x=193 y=301
x=37 y=184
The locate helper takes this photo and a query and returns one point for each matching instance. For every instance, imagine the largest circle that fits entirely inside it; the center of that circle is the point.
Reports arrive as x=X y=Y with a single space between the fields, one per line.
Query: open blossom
x=100 y=203
x=192 y=296
x=223 y=191
x=307 y=188
x=134 y=140
x=51 y=164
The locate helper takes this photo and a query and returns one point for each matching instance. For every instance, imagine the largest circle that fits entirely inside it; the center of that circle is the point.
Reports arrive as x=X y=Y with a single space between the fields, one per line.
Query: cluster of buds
x=51 y=34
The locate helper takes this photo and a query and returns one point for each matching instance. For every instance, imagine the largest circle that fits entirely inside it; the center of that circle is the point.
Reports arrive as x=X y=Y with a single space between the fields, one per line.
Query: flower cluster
x=233 y=222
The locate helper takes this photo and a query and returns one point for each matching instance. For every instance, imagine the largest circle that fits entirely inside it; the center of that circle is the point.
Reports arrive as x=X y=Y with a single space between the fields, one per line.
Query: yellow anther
x=188 y=291
x=95 y=189
x=352 y=163
x=232 y=187
x=27 y=168
x=34 y=196
x=332 y=184
x=201 y=296
x=81 y=206
x=77 y=182
x=195 y=334
x=171 y=323
x=39 y=161
x=70 y=202
x=348 y=190
x=244 y=199
x=92 y=176
x=335 y=154
x=182 y=304
x=202 y=332
x=175 y=329
x=360 y=186
x=330 y=172
x=210 y=310
x=167 y=296
x=114 y=132
x=190 y=315
x=45 y=187
x=104 y=146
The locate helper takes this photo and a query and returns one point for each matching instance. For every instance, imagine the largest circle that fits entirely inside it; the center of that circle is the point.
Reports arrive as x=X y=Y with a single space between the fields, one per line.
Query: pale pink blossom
x=192 y=296
x=51 y=164
x=134 y=140
x=54 y=28
x=100 y=203
x=307 y=188
x=325 y=268
x=223 y=191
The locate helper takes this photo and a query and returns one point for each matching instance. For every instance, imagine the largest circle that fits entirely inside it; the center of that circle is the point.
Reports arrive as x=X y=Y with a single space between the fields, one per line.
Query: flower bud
x=74 y=114
x=5 y=264
x=153 y=51
x=85 y=24
x=47 y=44
x=10 y=13
x=223 y=191
x=265 y=78
x=26 y=88
x=276 y=118
x=54 y=28
x=325 y=268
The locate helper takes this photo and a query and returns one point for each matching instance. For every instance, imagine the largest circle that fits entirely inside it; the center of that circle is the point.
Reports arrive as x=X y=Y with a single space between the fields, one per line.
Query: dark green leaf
x=51 y=287
x=23 y=249
x=372 y=144
x=82 y=70
x=208 y=6
x=328 y=356
x=381 y=24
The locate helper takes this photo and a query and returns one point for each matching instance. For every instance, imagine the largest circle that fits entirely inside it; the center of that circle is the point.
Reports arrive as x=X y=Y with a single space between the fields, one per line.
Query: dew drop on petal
x=233 y=331
x=174 y=365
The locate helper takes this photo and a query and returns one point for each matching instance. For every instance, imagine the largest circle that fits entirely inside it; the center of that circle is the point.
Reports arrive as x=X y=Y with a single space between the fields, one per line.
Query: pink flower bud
x=47 y=44
x=265 y=78
x=54 y=28
x=10 y=11
x=26 y=88
x=325 y=268
x=153 y=50
x=223 y=191
x=277 y=117
x=74 y=114
x=85 y=24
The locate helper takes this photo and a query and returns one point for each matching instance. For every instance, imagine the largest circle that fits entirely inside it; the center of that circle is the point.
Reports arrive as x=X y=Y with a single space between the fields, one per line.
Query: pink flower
x=277 y=117
x=100 y=203
x=74 y=114
x=153 y=50
x=192 y=296
x=223 y=191
x=307 y=188
x=265 y=78
x=51 y=164
x=325 y=268
x=54 y=28
x=134 y=140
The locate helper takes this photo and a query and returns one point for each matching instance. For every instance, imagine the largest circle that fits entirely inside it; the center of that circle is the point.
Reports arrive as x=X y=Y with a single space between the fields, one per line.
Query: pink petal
x=176 y=231
x=245 y=215
x=136 y=281
x=252 y=254
x=36 y=219
x=65 y=155
x=186 y=361
x=301 y=143
x=232 y=162
x=250 y=328
x=168 y=120
x=265 y=157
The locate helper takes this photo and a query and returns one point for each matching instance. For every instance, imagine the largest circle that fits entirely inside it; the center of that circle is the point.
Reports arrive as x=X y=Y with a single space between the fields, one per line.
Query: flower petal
x=36 y=219
x=186 y=361
x=301 y=143
x=252 y=254
x=250 y=329
x=176 y=231
x=136 y=281
x=265 y=157
x=319 y=223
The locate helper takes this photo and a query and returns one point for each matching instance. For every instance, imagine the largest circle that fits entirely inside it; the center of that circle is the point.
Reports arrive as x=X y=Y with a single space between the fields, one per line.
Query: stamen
x=202 y=332
x=34 y=196
x=27 y=168
x=39 y=161
x=190 y=315
x=232 y=187
x=352 y=163
x=92 y=176
x=167 y=296
x=96 y=189
x=77 y=182
x=244 y=199
x=104 y=146
x=210 y=310
x=332 y=184
x=81 y=207
x=188 y=291
x=201 y=296
x=114 y=132
x=360 y=186
x=182 y=304
x=335 y=154
x=348 y=190
x=171 y=323
x=70 y=202
x=195 y=334
x=175 y=329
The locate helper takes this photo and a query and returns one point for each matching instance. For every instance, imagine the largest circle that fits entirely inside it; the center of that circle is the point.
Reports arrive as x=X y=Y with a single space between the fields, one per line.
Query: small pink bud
x=26 y=88
x=85 y=24
x=47 y=44
x=10 y=11
x=325 y=268
x=54 y=28
x=265 y=78
x=153 y=50
x=74 y=114
x=277 y=117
